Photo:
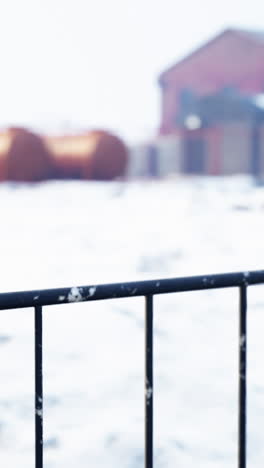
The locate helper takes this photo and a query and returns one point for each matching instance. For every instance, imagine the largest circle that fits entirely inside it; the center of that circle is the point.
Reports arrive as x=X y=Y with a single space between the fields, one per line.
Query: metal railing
x=148 y=289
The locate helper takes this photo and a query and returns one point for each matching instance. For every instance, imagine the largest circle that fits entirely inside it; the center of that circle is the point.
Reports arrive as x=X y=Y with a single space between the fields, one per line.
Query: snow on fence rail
x=148 y=289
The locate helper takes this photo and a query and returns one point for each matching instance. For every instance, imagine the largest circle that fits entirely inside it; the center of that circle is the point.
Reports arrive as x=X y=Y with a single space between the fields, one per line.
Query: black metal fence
x=148 y=289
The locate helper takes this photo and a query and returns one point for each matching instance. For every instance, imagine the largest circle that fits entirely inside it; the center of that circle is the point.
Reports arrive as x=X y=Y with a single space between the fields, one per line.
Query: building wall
x=214 y=154
x=227 y=151
x=236 y=149
x=160 y=158
x=169 y=155
x=261 y=148
x=201 y=151
x=137 y=161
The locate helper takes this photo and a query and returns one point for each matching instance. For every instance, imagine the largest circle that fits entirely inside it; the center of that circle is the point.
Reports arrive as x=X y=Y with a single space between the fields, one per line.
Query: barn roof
x=249 y=35
x=257 y=36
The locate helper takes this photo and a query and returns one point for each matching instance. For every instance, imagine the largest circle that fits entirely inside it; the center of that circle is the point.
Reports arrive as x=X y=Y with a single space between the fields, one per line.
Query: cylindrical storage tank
x=96 y=155
x=25 y=156
x=5 y=141
x=68 y=154
x=108 y=159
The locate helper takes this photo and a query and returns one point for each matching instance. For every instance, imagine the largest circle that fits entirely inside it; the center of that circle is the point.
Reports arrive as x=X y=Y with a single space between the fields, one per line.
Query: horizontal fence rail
x=147 y=289
x=17 y=300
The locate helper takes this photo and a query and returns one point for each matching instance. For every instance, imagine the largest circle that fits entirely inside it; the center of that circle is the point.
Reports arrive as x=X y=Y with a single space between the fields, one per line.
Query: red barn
x=209 y=99
x=234 y=58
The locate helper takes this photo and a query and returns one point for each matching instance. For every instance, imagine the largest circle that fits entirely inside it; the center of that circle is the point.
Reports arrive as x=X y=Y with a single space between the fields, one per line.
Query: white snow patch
x=39 y=412
x=75 y=295
x=242 y=341
x=97 y=362
x=92 y=291
x=148 y=391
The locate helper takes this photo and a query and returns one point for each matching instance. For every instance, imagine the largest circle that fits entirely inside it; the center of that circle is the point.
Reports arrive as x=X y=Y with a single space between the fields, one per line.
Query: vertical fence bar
x=149 y=382
x=242 y=437
x=38 y=389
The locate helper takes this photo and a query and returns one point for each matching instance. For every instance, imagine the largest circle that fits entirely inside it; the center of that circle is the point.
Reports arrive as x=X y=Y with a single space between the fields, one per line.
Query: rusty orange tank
x=109 y=158
x=5 y=142
x=69 y=154
x=23 y=156
x=28 y=158
x=96 y=155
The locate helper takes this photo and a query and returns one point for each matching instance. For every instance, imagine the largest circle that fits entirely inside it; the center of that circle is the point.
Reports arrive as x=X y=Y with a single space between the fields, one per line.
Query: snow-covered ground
x=72 y=233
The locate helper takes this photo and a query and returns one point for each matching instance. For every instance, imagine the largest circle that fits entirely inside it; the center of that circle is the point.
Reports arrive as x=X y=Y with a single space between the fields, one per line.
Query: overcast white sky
x=96 y=62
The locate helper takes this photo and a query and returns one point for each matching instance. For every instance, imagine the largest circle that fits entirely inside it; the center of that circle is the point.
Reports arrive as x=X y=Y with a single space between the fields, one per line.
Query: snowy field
x=72 y=233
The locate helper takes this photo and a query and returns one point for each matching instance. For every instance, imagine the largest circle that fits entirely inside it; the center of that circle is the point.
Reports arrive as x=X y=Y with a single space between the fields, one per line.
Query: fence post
x=242 y=418
x=38 y=389
x=149 y=382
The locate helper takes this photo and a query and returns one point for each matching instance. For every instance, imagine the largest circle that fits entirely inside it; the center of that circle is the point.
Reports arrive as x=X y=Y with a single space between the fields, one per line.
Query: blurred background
x=131 y=147
x=96 y=64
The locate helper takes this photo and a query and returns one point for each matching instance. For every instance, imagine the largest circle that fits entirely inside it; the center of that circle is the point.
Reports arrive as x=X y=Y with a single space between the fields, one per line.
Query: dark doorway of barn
x=153 y=164
x=194 y=155
x=255 y=151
